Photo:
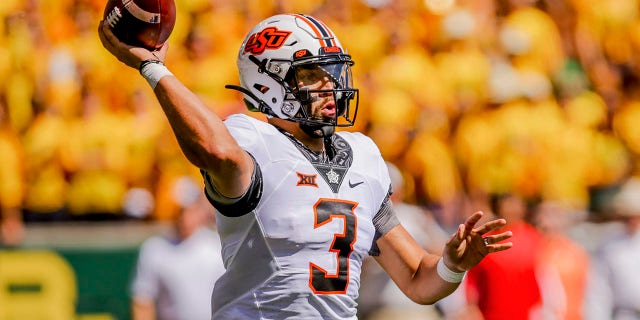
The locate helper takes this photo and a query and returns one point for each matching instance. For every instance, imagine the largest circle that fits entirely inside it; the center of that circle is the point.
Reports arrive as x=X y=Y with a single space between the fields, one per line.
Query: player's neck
x=293 y=128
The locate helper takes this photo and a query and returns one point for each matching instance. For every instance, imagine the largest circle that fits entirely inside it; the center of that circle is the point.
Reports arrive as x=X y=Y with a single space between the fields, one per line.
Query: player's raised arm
x=202 y=136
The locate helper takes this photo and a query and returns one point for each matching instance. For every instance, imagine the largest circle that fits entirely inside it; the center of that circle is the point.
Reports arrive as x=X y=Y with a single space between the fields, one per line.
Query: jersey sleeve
x=245 y=132
x=235 y=207
x=384 y=221
x=252 y=135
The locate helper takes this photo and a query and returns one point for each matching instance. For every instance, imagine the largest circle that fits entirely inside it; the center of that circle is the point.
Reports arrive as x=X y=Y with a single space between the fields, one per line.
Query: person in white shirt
x=613 y=291
x=175 y=273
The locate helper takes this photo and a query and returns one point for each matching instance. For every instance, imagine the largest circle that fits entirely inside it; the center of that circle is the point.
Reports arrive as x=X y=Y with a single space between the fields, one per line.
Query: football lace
x=113 y=17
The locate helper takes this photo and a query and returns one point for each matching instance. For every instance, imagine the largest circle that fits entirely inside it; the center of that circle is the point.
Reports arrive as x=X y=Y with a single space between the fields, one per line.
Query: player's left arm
x=415 y=270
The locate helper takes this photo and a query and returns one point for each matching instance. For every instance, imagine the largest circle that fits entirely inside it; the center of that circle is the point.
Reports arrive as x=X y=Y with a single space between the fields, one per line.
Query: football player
x=300 y=205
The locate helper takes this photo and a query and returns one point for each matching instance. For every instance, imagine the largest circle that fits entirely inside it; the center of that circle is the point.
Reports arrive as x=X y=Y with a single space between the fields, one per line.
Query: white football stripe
x=132 y=7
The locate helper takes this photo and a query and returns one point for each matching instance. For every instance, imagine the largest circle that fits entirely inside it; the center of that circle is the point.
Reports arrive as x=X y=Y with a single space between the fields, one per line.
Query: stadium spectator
x=563 y=256
x=46 y=184
x=12 y=187
x=614 y=289
x=511 y=275
x=175 y=272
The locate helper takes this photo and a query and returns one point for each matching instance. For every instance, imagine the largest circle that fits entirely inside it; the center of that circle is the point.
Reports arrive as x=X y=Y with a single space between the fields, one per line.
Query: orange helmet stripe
x=320 y=29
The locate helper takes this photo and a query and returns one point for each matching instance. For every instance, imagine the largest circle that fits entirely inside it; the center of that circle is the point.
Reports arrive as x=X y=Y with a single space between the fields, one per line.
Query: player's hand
x=470 y=244
x=129 y=55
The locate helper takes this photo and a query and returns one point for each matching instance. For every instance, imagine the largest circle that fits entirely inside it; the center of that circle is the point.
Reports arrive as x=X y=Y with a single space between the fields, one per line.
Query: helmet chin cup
x=328 y=131
x=318 y=131
x=270 y=57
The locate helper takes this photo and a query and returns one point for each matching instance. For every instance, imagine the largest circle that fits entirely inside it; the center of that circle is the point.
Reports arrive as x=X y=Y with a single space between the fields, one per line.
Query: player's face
x=323 y=105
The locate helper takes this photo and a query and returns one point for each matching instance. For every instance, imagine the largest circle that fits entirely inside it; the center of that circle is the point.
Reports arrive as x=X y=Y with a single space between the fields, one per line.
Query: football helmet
x=280 y=50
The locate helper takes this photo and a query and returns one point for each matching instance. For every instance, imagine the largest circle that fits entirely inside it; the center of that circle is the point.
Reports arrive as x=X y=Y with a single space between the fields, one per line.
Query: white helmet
x=268 y=61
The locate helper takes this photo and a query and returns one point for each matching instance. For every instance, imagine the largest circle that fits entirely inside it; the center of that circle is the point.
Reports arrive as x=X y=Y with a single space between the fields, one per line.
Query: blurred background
x=469 y=98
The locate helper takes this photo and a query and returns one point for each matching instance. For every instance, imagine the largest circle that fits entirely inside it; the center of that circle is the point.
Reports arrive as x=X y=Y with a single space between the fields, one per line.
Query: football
x=142 y=23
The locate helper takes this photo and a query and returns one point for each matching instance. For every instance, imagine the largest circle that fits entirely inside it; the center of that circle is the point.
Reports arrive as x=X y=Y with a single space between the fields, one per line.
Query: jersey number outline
x=325 y=210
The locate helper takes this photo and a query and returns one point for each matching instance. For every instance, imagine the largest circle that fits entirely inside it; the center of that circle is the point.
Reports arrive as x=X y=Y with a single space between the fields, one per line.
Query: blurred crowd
x=469 y=97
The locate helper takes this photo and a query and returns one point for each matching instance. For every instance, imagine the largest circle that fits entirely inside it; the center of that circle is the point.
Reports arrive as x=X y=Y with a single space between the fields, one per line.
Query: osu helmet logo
x=269 y=38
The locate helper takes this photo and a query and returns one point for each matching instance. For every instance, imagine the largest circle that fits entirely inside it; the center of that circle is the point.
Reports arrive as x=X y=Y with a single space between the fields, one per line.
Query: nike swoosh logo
x=353 y=185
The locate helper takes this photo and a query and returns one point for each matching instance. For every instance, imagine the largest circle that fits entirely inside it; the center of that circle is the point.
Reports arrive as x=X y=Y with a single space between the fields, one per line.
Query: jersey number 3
x=320 y=281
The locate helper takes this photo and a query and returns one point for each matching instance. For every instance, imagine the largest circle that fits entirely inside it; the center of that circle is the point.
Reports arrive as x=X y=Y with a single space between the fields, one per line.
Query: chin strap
x=262 y=106
x=324 y=132
x=327 y=135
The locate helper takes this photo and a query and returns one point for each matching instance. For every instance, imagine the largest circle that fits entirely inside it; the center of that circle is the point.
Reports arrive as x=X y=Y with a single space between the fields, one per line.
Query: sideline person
x=175 y=272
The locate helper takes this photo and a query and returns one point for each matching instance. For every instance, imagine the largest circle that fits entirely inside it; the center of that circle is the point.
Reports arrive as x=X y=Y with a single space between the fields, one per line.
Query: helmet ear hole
x=290 y=108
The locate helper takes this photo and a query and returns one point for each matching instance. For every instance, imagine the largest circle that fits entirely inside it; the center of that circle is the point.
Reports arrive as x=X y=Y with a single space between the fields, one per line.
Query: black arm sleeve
x=235 y=207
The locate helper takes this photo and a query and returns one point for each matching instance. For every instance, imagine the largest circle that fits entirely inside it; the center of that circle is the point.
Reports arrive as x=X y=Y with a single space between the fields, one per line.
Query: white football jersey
x=298 y=254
